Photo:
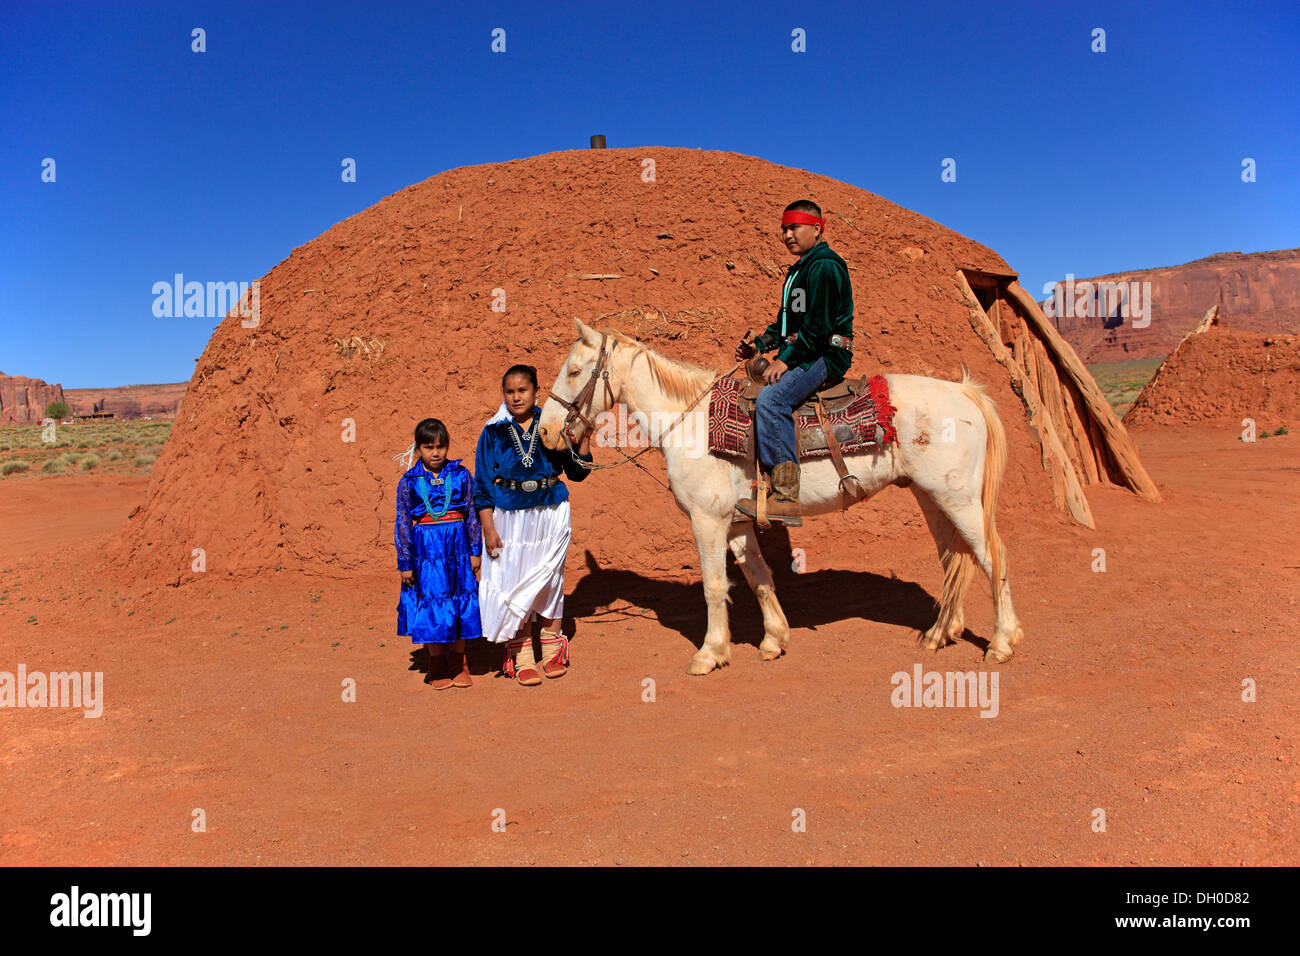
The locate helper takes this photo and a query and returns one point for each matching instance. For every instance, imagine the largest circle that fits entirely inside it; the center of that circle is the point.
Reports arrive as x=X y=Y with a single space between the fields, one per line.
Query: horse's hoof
x=996 y=656
x=698 y=668
x=932 y=640
x=769 y=655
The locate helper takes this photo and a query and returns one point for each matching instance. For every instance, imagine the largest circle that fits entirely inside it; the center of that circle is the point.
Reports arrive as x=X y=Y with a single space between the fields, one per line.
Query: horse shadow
x=809 y=599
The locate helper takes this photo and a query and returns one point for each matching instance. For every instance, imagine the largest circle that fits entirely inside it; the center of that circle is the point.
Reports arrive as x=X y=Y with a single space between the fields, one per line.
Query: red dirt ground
x=1126 y=695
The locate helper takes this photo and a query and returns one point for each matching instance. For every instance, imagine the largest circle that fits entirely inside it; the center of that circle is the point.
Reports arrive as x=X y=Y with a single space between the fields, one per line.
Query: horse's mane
x=680 y=381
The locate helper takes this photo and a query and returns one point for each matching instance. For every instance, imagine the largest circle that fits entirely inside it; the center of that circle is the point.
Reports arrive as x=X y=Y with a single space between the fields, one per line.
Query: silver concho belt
x=528 y=485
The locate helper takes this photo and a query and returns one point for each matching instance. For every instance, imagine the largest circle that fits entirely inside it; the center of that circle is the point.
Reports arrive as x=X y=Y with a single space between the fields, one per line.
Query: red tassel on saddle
x=884 y=411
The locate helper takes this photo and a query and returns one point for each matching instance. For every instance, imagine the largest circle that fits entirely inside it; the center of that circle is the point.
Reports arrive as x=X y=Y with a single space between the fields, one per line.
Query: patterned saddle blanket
x=860 y=417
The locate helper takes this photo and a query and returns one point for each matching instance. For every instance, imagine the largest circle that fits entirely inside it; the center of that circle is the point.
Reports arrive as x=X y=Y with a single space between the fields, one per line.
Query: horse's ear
x=585 y=332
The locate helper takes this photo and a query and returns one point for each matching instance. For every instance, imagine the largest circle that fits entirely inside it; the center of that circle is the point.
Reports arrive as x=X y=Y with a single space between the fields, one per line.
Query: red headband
x=802 y=218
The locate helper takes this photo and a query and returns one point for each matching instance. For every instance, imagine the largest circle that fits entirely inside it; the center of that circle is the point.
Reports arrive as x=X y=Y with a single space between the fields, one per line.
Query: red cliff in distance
x=1255 y=292
x=129 y=401
x=23 y=400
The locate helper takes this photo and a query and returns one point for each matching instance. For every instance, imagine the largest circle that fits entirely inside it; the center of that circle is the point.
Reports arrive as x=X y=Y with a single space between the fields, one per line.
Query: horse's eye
x=574 y=371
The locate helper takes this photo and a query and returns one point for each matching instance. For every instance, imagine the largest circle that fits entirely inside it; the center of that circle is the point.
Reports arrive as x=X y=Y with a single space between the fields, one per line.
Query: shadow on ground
x=605 y=598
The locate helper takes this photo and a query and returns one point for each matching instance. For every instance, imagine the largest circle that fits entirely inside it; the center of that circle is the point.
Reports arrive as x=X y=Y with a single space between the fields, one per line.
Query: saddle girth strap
x=849 y=486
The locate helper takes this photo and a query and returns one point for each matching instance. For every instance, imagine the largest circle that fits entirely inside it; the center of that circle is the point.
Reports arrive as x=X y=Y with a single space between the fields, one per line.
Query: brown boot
x=784 y=505
x=459 y=669
x=439 y=676
x=756 y=507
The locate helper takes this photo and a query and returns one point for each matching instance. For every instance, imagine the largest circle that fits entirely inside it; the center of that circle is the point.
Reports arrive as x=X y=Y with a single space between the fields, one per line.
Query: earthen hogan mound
x=387 y=318
x=1222 y=376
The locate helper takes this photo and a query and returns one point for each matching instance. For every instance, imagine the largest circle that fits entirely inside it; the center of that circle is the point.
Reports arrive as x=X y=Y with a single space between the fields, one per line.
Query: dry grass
x=648 y=322
x=114 y=445
x=357 y=346
x=1122 y=382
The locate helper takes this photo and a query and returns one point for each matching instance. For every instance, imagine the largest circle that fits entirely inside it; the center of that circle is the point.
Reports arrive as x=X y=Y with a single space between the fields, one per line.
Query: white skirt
x=527 y=579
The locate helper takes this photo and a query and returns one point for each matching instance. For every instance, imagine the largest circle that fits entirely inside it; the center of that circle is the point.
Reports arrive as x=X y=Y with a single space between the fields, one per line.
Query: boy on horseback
x=813 y=335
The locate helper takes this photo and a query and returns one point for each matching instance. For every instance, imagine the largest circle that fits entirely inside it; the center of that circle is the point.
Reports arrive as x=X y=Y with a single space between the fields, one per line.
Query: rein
x=584 y=399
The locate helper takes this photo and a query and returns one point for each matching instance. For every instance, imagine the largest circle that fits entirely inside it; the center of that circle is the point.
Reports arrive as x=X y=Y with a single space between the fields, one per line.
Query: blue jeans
x=774 y=412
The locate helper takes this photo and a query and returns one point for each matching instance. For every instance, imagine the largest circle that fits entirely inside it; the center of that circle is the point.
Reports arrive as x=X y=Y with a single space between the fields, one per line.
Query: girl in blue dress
x=439 y=544
x=524 y=509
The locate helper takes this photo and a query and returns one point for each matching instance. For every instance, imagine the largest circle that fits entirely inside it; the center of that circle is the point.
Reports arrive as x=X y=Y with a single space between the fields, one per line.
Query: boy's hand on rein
x=408 y=578
x=491 y=541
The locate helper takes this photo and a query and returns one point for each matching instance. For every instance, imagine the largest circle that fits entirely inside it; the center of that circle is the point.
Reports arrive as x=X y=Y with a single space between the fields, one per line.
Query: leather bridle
x=599 y=373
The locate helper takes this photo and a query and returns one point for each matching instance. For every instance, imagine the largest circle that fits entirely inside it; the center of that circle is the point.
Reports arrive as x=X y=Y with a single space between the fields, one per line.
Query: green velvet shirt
x=819 y=282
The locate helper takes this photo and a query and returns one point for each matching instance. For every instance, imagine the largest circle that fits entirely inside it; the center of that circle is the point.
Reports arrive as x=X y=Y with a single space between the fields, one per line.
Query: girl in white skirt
x=524 y=509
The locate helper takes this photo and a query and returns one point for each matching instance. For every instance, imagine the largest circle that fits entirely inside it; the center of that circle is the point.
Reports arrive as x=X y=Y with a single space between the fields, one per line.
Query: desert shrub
x=115 y=455
x=1281 y=430
x=54 y=466
x=14 y=467
x=89 y=463
x=143 y=461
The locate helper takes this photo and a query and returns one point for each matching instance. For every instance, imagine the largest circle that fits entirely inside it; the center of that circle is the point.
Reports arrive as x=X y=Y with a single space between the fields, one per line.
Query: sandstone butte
x=1255 y=292
x=23 y=400
x=387 y=318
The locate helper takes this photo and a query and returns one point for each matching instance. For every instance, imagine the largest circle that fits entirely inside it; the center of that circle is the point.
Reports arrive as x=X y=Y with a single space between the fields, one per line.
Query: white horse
x=951 y=452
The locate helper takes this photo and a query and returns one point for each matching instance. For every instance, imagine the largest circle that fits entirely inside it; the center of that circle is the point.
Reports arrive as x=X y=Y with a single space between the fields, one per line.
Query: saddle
x=846 y=415
x=835 y=395
x=827 y=419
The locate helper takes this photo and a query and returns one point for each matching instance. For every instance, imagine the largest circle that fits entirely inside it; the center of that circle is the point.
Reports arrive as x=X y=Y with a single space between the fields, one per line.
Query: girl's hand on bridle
x=408 y=578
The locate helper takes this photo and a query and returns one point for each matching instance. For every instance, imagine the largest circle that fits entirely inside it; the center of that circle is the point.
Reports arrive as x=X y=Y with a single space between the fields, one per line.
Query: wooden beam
x=1064 y=481
x=1117 y=437
x=1074 y=413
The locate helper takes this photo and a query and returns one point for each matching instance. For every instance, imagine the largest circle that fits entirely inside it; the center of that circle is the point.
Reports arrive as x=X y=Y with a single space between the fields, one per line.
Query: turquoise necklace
x=422 y=488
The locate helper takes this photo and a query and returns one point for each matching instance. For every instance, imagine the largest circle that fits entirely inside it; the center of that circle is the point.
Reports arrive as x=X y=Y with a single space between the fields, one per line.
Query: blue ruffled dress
x=441 y=606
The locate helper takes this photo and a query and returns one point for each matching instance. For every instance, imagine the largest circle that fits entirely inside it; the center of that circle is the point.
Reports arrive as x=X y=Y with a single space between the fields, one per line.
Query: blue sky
x=217 y=164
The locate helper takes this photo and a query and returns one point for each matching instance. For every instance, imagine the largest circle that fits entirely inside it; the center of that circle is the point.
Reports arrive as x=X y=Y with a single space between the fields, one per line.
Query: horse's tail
x=995 y=464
